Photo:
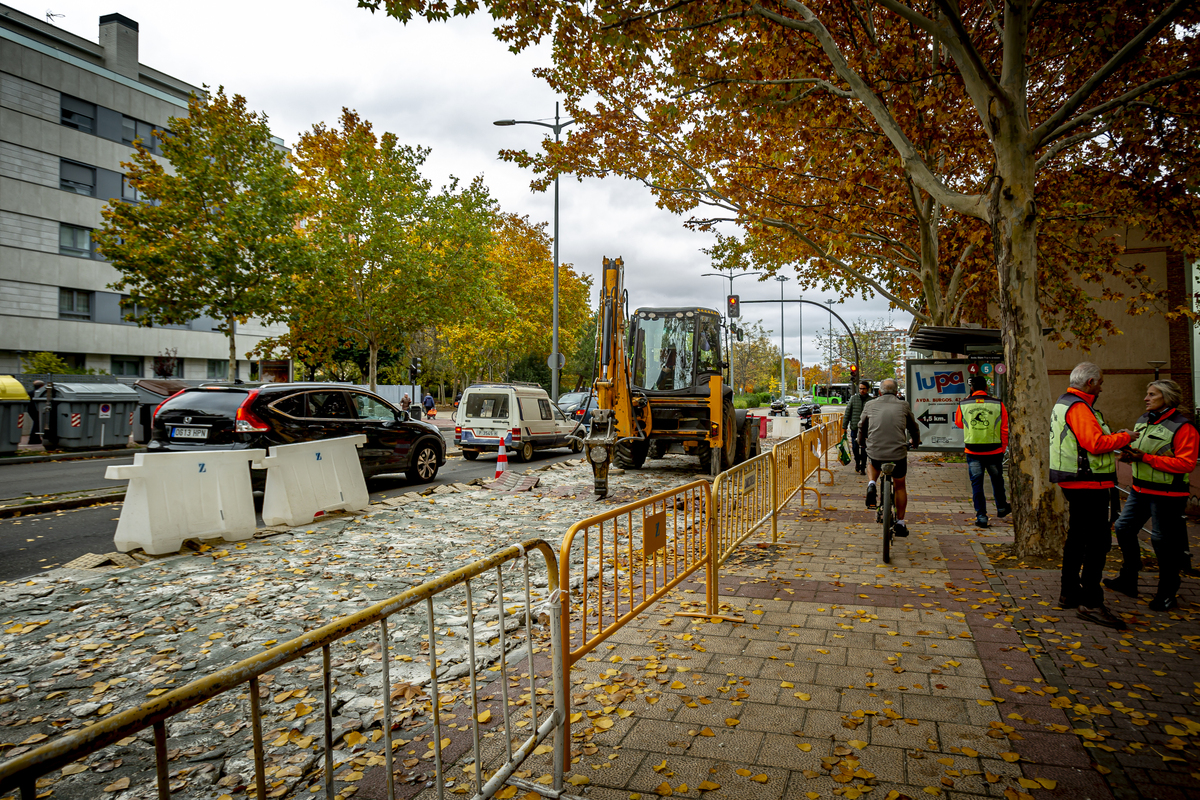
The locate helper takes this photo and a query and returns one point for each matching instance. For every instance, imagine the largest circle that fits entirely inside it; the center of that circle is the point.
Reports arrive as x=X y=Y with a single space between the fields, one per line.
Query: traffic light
x=738 y=333
x=854 y=375
x=414 y=369
x=734 y=307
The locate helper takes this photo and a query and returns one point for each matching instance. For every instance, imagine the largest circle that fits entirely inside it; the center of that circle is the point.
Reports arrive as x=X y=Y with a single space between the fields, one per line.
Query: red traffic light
x=733 y=306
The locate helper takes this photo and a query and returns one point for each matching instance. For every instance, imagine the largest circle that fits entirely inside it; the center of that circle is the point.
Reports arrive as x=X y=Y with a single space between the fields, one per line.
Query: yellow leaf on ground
x=787 y=685
x=1048 y=783
x=708 y=786
x=1011 y=757
x=731 y=722
x=603 y=723
x=678 y=685
x=760 y=778
x=661 y=766
x=579 y=780
x=706 y=731
x=542 y=749
x=117 y=785
x=485 y=716
x=354 y=738
x=1028 y=783
x=804 y=746
x=37 y=737
x=802 y=696
x=857 y=744
x=664 y=789
x=745 y=773
x=74 y=769
x=933 y=790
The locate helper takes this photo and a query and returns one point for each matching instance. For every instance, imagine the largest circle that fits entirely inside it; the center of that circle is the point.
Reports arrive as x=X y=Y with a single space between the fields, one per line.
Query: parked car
x=518 y=414
x=570 y=401
x=245 y=417
x=582 y=413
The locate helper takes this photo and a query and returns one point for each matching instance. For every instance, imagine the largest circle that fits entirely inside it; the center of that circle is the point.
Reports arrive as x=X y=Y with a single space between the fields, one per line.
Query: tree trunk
x=373 y=347
x=231 y=332
x=1038 y=508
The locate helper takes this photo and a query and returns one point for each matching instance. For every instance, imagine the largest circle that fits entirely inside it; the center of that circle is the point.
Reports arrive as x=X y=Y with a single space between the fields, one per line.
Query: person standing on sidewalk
x=405 y=402
x=984 y=421
x=1083 y=464
x=1163 y=453
x=850 y=421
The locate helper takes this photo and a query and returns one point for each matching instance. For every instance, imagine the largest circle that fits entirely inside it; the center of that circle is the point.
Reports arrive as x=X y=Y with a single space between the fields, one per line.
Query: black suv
x=244 y=417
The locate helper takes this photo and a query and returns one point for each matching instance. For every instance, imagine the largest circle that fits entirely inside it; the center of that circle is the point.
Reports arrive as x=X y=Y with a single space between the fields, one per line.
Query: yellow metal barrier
x=615 y=565
x=23 y=771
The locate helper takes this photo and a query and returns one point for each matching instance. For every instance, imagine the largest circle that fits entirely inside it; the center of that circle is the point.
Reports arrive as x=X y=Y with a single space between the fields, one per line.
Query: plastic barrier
x=177 y=496
x=13 y=404
x=310 y=477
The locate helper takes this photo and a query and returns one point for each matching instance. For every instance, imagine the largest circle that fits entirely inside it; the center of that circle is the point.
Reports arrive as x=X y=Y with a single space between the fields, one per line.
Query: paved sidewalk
x=937 y=675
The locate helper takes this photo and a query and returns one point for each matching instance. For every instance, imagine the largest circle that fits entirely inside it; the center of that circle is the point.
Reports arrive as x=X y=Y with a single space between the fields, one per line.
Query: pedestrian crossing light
x=734 y=307
x=854 y=375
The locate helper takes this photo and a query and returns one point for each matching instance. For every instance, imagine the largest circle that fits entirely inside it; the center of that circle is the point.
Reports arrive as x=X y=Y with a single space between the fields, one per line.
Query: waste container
x=151 y=392
x=13 y=403
x=91 y=415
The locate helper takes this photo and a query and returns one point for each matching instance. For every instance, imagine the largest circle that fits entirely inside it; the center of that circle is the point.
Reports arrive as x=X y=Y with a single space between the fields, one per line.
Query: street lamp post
x=782 y=351
x=728 y=333
x=555 y=357
x=830 y=304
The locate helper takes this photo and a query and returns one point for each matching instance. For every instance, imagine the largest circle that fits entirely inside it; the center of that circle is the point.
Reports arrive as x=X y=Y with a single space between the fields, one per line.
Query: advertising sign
x=935 y=388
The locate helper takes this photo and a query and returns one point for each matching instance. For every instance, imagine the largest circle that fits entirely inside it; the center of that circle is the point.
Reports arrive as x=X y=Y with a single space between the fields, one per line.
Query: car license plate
x=189 y=433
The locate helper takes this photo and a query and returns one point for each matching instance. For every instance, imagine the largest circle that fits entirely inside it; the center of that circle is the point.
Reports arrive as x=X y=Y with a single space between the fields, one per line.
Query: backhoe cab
x=659 y=386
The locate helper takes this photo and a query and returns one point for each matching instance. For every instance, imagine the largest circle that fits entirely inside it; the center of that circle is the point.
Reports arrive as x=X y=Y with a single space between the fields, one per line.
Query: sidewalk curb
x=60 y=505
x=67 y=456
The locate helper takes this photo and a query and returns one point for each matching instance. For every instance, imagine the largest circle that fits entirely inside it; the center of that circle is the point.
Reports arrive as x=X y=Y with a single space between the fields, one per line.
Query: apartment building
x=70 y=109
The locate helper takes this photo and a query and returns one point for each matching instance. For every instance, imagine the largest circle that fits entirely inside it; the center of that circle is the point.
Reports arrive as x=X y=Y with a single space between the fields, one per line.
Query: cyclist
x=886 y=428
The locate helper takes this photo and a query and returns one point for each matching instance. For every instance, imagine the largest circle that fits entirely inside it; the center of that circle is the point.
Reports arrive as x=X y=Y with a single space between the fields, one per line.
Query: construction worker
x=1163 y=454
x=984 y=421
x=1083 y=464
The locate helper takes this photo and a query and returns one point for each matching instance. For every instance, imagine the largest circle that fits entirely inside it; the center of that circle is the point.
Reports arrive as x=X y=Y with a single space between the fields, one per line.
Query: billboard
x=935 y=388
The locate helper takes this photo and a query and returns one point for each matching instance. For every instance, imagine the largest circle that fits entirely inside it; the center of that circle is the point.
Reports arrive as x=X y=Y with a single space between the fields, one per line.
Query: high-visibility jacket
x=984 y=421
x=1175 y=437
x=1081 y=445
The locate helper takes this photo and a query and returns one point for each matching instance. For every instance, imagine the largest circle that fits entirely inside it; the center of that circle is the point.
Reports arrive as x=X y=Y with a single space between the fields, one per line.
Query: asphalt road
x=53 y=477
x=33 y=544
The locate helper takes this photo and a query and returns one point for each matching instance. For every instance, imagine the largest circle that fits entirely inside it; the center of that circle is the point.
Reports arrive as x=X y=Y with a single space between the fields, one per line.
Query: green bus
x=832 y=394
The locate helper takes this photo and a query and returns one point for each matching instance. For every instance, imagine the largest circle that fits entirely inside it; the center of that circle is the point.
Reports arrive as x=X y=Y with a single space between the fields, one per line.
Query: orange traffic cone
x=501 y=459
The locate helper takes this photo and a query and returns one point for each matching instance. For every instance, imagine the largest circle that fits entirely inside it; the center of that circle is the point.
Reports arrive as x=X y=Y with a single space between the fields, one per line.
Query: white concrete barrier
x=306 y=478
x=177 y=496
x=785 y=427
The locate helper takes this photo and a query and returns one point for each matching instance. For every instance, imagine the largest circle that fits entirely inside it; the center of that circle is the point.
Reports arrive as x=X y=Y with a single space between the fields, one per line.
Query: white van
x=520 y=414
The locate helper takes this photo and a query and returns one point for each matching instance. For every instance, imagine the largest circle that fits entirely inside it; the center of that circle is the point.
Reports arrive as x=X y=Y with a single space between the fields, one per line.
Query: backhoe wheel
x=659 y=448
x=746 y=434
x=631 y=455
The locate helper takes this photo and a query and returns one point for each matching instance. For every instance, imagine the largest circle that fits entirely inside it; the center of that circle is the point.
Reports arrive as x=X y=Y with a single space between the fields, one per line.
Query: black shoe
x=1003 y=512
x=871 y=495
x=1126 y=586
x=1101 y=616
x=1164 y=603
x=1066 y=601
x=981 y=521
x=900 y=530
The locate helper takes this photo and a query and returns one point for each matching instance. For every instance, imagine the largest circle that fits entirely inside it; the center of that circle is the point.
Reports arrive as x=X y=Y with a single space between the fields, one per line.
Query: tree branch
x=1070 y=141
x=1041 y=137
x=1041 y=134
x=970 y=205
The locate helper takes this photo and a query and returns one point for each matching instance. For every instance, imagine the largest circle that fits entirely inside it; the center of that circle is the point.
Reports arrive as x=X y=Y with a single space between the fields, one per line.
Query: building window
x=77 y=114
x=129 y=366
x=218 y=369
x=128 y=307
x=132 y=129
x=74 y=241
x=129 y=191
x=74 y=304
x=77 y=178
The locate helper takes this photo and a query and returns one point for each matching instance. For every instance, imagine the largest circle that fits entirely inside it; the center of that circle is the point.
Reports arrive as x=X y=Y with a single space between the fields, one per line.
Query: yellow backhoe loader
x=658 y=385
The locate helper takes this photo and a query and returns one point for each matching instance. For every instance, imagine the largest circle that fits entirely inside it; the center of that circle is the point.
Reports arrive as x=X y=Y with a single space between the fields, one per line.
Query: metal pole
x=729 y=341
x=801 y=309
x=782 y=350
x=554 y=331
x=830 y=304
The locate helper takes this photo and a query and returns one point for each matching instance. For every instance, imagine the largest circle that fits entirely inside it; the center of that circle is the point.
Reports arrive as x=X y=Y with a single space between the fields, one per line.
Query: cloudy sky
x=438 y=85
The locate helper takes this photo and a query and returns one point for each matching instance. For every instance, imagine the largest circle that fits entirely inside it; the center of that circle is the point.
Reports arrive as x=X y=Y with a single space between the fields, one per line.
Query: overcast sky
x=441 y=86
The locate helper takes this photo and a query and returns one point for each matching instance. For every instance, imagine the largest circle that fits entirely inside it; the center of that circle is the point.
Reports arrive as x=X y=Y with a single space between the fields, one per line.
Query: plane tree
x=1022 y=88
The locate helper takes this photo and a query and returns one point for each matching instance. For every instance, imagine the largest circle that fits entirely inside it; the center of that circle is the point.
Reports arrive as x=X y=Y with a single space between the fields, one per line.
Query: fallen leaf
x=1011 y=757
x=708 y=786
x=804 y=746
x=117 y=785
x=803 y=696
x=579 y=780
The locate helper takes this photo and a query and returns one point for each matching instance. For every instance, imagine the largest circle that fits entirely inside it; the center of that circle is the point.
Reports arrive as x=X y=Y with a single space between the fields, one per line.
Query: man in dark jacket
x=850 y=421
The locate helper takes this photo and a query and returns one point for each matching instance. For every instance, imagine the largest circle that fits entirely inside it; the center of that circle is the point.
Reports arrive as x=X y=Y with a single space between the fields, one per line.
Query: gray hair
x=1171 y=392
x=887 y=386
x=1085 y=372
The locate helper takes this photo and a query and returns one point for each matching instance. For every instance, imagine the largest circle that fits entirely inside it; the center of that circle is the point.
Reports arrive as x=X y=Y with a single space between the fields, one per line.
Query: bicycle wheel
x=885 y=504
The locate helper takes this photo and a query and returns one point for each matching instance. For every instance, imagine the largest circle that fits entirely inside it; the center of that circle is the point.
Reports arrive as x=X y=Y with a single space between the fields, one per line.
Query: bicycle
x=884 y=512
